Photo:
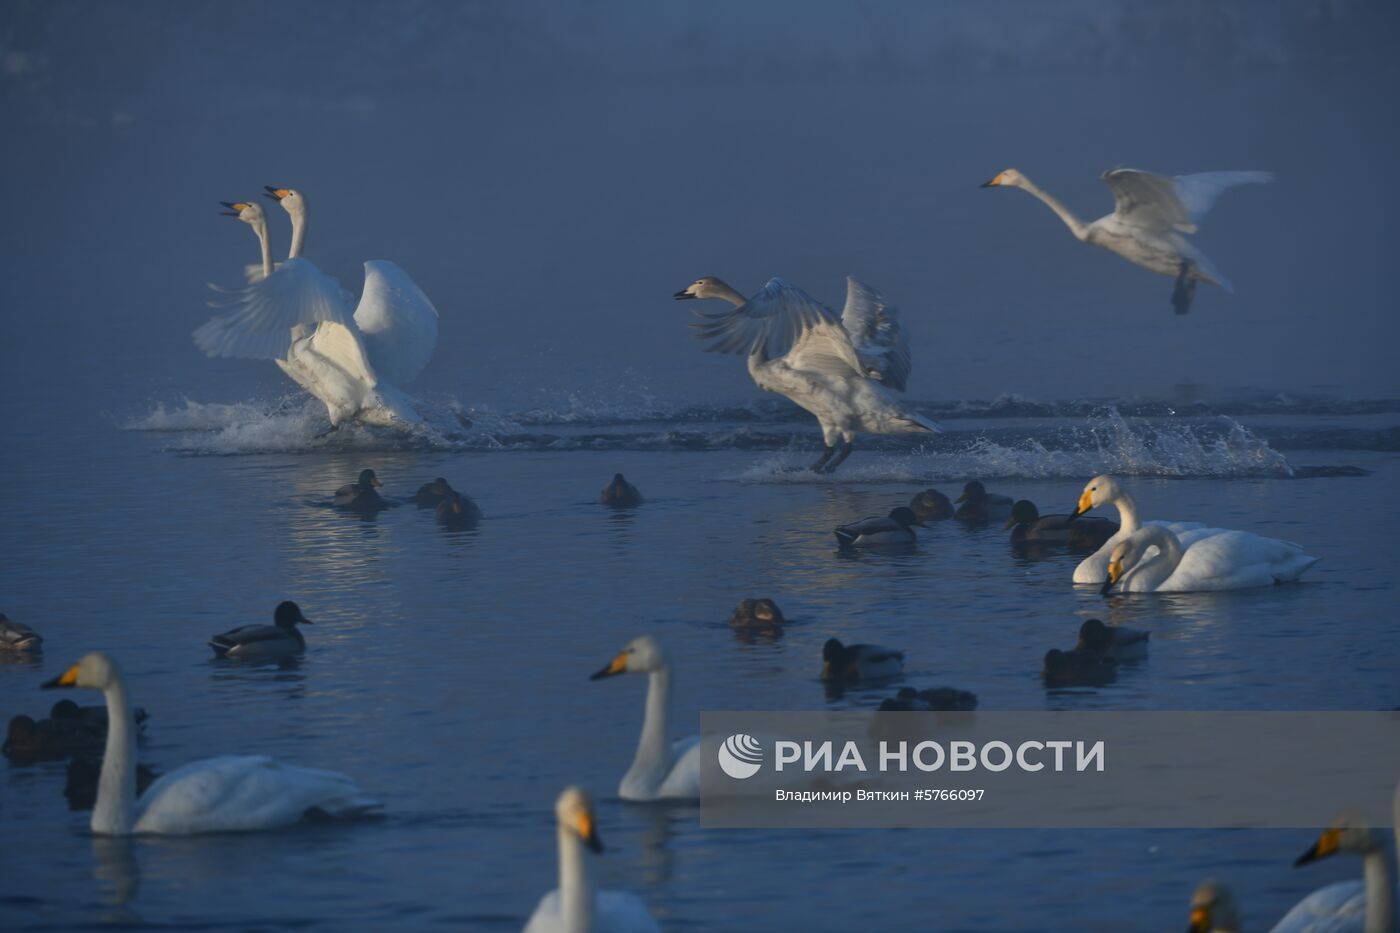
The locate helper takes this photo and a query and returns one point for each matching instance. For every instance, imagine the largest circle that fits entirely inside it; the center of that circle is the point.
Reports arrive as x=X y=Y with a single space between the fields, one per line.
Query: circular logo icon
x=741 y=756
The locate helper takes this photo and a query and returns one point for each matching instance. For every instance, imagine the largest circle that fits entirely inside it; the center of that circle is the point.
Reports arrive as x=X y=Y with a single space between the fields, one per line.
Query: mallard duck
x=620 y=494
x=941 y=699
x=457 y=513
x=1079 y=667
x=80 y=783
x=1028 y=525
x=18 y=637
x=848 y=663
x=1118 y=642
x=896 y=528
x=70 y=729
x=361 y=495
x=430 y=494
x=931 y=506
x=757 y=613
x=978 y=505
x=261 y=642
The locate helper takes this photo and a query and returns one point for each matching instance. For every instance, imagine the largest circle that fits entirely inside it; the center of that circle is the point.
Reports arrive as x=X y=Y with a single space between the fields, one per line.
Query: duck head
x=905 y=517
x=1023 y=512
x=931 y=504
x=288 y=615
x=973 y=492
x=368 y=480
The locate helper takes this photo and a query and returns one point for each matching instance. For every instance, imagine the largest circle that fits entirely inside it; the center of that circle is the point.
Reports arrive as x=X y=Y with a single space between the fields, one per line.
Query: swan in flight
x=1105 y=490
x=661 y=769
x=1364 y=906
x=300 y=317
x=577 y=905
x=836 y=368
x=1229 y=560
x=1152 y=214
x=232 y=793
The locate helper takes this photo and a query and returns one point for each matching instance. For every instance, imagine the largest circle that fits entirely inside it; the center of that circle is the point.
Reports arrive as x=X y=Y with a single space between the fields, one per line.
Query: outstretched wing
x=399 y=323
x=1158 y=202
x=879 y=337
x=260 y=317
x=781 y=317
x=340 y=345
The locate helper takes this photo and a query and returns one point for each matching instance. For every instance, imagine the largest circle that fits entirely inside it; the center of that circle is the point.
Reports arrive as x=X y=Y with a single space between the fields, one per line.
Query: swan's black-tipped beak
x=617 y=665
x=682 y=295
x=275 y=194
x=68 y=678
x=234 y=208
x=588 y=832
x=1075 y=514
x=991 y=183
x=1327 y=844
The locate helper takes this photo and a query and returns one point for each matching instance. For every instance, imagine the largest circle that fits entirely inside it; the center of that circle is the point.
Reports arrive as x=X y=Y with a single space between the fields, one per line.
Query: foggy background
x=550 y=173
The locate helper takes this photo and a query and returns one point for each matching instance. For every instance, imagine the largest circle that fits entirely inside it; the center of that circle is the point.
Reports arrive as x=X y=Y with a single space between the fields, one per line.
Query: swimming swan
x=1151 y=216
x=1105 y=490
x=661 y=769
x=226 y=794
x=1365 y=906
x=835 y=368
x=299 y=317
x=576 y=906
x=1230 y=560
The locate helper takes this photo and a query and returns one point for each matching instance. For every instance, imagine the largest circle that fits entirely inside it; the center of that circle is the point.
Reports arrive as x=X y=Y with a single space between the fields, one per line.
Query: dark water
x=447 y=672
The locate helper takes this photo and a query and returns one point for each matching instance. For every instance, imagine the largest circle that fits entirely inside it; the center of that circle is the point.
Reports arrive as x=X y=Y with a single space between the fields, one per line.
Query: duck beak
x=683 y=295
x=961 y=498
x=617 y=665
x=1327 y=844
x=276 y=194
x=68 y=678
x=303 y=620
x=1010 y=523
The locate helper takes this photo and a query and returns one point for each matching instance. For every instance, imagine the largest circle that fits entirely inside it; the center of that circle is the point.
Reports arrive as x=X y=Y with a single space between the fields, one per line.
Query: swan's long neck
x=114 y=813
x=298 y=232
x=1155 y=569
x=729 y=294
x=578 y=908
x=1380 y=891
x=654 y=750
x=1128 y=521
x=1077 y=227
x=261 y=230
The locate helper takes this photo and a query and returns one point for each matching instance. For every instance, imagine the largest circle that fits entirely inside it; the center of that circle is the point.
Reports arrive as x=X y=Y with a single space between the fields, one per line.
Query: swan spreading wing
x=1157 y=202
x=259 y=324
x=399 y=323
x=879 y=338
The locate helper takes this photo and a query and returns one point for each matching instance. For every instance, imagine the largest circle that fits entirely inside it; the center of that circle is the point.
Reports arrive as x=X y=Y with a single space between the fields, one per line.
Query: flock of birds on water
x=843 y=370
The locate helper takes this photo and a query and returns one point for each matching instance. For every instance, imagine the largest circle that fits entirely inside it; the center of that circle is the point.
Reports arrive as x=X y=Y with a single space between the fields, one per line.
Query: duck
x=1028 y=525
x=577 y=906
x=978 y=505
x=1360 y=906
x=1078 y=667
x=18 y=637
x=620 y=494
x=935 y=699
x=661 y=769
x=897 y=528
x=281 y=639
x=1230 y=560
x=81 y=780
x=430 y=494
x=931 y=506
x=847 y=663
x=232 y=793
x=1118 y=642
x=69 y=730
x=457 y=513
x=1213 y=909
x=1105 y=490
x=757 y=613
x=361 y=495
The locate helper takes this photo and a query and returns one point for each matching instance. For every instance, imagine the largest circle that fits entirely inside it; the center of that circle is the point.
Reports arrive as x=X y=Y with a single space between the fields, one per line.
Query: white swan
x=661 y=768
x=835 y=368
x=227 y=794
x=1105 y=490
x=1365 y=906
x=1151 y=216
x=1230 y=560
x=251 y=213
x=576 y=906
x=300 y=317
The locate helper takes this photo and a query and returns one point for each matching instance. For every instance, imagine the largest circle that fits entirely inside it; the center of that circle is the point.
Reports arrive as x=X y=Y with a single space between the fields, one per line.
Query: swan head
x=250 y=212
x=1213 y=909
x=1348 y=833
x=642 y=655
x=288 y=614
x=904 y=517
x=931 y=504
x=292 y=200
x=574 y=811
x=1101 y=490
x=95 y=670
x=1009 y=178
x=707 y=286
x=368 y=479
x=1023 y=512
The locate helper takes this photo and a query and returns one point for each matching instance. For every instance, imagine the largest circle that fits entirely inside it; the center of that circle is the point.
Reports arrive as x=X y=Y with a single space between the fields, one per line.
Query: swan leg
x=820 y=465
x=1185 y=289
x=328 y=431
x=846 y=448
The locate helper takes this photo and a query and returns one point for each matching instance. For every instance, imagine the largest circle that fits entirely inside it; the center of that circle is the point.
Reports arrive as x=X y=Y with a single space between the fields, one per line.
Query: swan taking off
x=299 y=317
x=836 y=368
x=232 y=793
x=577 y=905
x=1152 y=214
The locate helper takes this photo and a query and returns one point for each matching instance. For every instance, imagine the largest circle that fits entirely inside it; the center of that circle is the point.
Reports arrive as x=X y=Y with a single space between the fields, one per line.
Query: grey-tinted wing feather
x=880 y=341
x=260 y=317
x=777 y=317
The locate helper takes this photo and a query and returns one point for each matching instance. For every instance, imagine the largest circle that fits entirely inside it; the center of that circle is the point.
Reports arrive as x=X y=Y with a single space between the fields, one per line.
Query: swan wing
x=1197 y=193
x=340 y=346
x=684 y=779
x=1229 y=560
x=399 y=323
x=1094 y=568
x=1162 y=203
x=244 y=792
x=879 y=337
x=1336 y=908
x=624 y=912
x=260 y=316
x=776 y=319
